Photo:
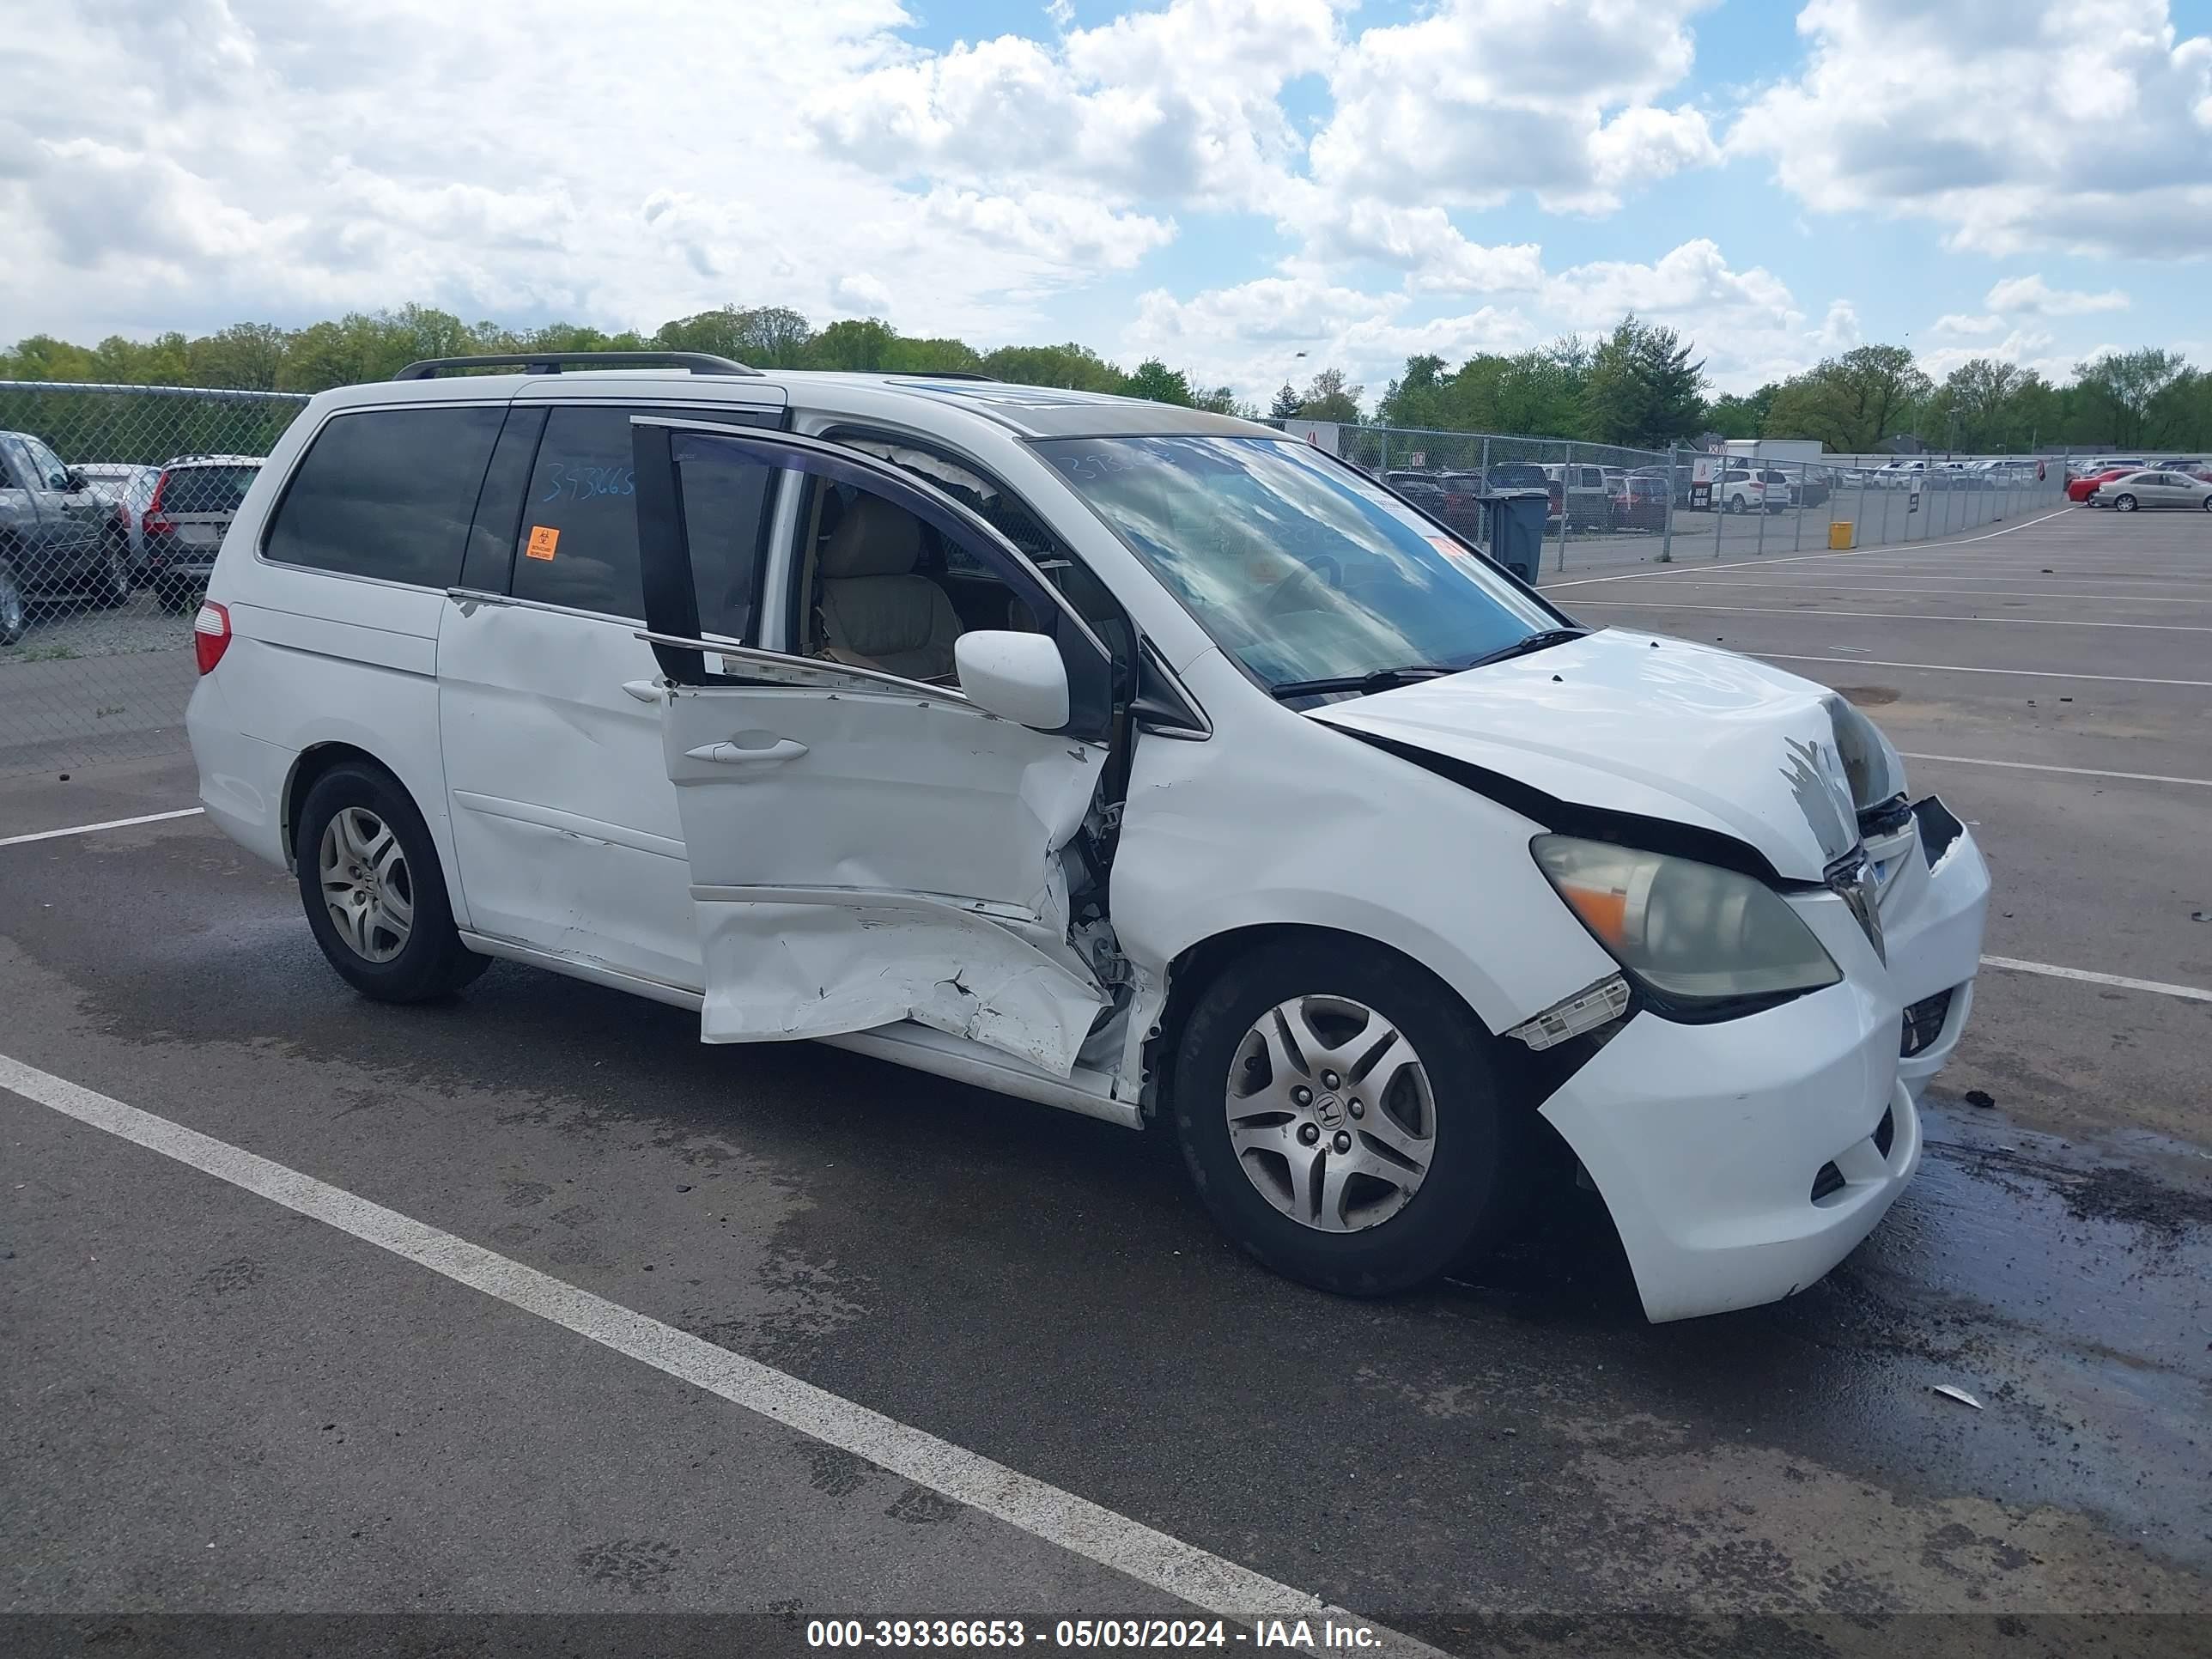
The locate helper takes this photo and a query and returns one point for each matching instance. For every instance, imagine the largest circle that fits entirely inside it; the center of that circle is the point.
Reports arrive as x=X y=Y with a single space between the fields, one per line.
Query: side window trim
x=518 y=419
x=790 y=452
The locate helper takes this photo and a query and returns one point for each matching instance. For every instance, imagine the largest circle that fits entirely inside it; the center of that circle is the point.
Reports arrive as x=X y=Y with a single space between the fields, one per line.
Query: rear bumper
x=1742 y=1161
x=242 y=778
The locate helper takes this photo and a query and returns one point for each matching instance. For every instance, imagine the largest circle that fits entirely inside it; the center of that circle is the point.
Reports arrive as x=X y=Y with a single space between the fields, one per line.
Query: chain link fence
x=1611 y=505
x=113 y=501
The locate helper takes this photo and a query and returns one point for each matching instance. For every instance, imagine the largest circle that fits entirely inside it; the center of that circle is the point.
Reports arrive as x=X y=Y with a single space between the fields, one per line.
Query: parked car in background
x=1900 y=474
x=1640 y=502
x=1678 y=477
x=129 y=487
x=2150 y=488
x=1462 y=506
x=1740 y=490
x=2080 y=488
x=194 y=500
x=1424 y=489
x=1515 y=475
x=1578 y=495
x=58 y=535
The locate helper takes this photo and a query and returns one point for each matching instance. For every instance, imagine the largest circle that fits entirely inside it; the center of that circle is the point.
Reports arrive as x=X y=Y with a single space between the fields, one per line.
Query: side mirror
x=1016 y=677
x=76 y=482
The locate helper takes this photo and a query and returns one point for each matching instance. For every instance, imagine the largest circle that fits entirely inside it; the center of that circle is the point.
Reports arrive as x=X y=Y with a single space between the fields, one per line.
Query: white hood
x=1659 y=727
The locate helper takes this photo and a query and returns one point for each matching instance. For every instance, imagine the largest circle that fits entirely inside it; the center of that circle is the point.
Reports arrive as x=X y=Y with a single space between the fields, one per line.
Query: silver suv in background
x=192 y=504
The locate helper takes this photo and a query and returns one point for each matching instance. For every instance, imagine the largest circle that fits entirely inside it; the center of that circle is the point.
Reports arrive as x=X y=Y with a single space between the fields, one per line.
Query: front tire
x=1340 y=1114
x=111 y=577
x=374 y=894
x=2123 y=503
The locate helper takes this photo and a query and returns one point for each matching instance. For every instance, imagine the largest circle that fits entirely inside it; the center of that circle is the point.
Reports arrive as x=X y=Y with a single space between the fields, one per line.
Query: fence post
x=1804 y=479
x=1667 y=531
x=1485 y=463
x=1383 y=468
x=1759 y=550
x=1858 y=524
x=1566 y=485
x=1713 y=500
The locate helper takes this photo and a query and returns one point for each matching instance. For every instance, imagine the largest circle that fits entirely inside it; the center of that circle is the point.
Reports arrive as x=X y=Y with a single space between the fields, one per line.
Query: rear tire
x=374 y=893
x=15 y=614
x=1366 y=1236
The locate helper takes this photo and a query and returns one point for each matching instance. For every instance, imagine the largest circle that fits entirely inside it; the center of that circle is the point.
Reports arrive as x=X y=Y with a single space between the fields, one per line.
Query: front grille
x=1830 y=1180
x=1924 y=1022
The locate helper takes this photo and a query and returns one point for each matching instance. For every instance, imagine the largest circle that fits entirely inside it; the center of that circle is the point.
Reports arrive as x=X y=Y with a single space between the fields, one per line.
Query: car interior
x=887 y=591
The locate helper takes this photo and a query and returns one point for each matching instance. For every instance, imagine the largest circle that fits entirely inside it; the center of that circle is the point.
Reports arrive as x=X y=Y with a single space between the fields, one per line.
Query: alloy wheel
x=366 y=884
x=1331 y=1113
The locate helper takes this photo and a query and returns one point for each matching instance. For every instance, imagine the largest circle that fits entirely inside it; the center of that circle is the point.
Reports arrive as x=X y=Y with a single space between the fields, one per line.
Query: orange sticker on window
x=544 y=539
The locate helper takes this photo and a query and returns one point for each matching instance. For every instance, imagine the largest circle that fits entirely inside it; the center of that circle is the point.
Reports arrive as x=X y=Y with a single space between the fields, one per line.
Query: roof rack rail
x=549 y=362
x=938 y=373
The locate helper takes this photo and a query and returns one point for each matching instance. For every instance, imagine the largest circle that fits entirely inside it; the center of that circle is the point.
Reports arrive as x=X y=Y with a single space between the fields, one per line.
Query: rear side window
x=386 y=493
x=577 y=545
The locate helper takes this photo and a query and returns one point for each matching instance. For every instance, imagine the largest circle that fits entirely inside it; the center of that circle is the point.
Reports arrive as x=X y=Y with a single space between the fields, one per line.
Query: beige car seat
x=876 y=612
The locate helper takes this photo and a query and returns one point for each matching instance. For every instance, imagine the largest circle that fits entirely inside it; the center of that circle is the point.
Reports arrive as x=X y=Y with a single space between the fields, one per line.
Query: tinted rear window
x=207 y=488
x=387 y=493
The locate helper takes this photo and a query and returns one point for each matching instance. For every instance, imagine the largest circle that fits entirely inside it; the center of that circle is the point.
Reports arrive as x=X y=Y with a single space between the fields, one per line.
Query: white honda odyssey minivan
x=1123 y=757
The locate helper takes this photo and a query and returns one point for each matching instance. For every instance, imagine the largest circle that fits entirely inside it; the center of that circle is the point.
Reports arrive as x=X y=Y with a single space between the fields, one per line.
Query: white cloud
x=1178 y=105
x=262 y=159
x=1744 y=323
x=2032 y=297
x=1482 y=98
x=2079 y=124
x=1959 y=322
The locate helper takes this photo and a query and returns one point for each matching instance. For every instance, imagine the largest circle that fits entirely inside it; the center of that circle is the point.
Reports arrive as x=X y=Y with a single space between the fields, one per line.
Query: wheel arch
x=317 y=759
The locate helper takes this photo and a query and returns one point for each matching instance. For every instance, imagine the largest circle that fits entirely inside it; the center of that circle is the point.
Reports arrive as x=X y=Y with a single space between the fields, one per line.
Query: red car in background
x=1640 y=503
x=2077 y=489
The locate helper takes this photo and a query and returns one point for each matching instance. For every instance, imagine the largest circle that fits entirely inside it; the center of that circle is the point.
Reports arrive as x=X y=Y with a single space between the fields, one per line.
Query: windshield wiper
x=1550 y=636
x=1380 y=679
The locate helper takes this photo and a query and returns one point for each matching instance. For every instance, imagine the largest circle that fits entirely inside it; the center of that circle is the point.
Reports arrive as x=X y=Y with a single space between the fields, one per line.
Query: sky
x=1223 y=184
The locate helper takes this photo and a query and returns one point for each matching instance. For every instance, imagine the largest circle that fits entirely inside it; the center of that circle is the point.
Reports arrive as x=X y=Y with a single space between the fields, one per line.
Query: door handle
x=731 y=754
x=643 y=690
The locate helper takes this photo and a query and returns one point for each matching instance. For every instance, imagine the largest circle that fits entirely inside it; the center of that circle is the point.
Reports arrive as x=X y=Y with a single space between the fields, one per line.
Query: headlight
x=1692 y=932
x=1870 y=761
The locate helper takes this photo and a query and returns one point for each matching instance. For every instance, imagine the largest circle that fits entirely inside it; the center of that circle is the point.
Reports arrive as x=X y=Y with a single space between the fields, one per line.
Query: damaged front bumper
x=1740 y=1161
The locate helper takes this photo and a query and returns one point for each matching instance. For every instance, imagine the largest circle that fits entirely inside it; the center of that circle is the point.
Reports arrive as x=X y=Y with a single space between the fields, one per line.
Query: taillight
x=211 y=634
x=152 y=520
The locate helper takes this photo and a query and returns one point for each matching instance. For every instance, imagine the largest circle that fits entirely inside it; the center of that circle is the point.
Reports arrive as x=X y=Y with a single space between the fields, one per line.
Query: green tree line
x=375 y=345
x=1641 y=385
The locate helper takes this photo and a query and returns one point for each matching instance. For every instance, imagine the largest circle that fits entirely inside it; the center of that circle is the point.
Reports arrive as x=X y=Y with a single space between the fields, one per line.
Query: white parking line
x=1959 y=668
x=89 y=829
x=2189 y=992
x=2051 y=593
x=1082 y=1528
x=2075 y=771
x=1807 y=558
x=1884 y=616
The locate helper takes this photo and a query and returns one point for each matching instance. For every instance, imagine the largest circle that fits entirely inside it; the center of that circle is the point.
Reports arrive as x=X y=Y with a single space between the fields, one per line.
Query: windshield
x=1299 y=567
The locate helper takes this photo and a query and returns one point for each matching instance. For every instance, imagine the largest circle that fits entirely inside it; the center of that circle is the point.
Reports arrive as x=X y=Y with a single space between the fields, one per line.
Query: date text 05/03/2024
x=1294 y=1634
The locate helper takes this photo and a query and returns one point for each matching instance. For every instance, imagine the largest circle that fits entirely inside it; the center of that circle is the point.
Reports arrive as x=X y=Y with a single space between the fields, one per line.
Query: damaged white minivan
x=1124 y=758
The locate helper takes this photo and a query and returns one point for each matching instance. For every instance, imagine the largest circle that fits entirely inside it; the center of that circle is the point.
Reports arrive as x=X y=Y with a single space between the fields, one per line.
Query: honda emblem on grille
x=1856 y=885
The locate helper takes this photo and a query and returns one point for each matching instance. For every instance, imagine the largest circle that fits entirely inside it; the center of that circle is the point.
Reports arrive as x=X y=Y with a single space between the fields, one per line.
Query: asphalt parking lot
x=992 y=1360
